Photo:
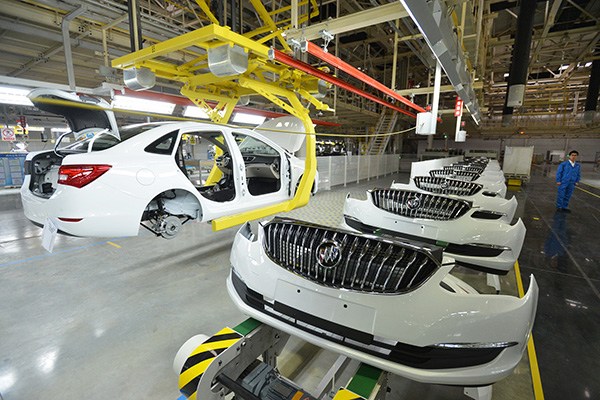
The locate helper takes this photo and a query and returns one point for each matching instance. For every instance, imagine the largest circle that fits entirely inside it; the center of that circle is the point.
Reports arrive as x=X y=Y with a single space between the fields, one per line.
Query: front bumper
x=402 y=334
x=491 y=246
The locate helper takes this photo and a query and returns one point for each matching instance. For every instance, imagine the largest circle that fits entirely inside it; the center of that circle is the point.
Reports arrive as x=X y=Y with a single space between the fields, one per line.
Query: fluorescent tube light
x=137 y=104
x=563 y=67
x=251 y=119
x=195 y=112
x=12 y=95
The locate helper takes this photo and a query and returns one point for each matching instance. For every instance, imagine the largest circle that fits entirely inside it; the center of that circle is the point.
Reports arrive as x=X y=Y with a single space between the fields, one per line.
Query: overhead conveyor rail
x=352 y=71
x=302 y=66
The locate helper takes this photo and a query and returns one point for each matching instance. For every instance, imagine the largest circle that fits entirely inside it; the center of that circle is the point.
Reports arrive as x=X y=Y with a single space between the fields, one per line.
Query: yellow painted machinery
x=217 y=67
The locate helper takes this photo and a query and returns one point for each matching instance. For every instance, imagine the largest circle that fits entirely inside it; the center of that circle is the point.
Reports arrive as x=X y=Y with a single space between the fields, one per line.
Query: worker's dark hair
x=573 y=151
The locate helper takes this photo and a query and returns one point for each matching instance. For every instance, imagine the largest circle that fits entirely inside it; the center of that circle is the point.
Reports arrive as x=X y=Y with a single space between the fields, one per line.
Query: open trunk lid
x=85 y=114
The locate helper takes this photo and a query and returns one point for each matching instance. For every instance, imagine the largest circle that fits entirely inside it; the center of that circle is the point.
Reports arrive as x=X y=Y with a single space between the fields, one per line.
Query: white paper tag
x=49 y=234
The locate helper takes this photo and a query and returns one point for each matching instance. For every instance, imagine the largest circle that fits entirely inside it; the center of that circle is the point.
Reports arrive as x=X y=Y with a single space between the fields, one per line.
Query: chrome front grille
x=464 y=167
x=345 y=260
x=419 y=205
x=454 y=174
x=447 y=186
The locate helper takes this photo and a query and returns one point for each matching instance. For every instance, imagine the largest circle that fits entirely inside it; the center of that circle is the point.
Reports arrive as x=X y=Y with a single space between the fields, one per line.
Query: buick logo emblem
x=413 y=203
x=329 y=254
x=444 y=184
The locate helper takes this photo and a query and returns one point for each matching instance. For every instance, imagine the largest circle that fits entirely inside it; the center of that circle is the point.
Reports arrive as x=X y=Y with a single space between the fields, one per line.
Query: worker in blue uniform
x=567 y=176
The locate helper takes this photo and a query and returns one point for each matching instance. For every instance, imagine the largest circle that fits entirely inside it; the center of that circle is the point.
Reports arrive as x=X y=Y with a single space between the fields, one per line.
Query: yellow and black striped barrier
x=197 y=362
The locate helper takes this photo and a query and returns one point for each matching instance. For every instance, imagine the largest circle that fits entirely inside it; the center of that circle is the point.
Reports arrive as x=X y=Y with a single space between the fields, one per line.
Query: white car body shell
x=427 y=316
x=462 y=231
x=113 y=204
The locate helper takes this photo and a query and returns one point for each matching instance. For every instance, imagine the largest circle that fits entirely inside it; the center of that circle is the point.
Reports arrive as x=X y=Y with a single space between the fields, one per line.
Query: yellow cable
x=538 y=392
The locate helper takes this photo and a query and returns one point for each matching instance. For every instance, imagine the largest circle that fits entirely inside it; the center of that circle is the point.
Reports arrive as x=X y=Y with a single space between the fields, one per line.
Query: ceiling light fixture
x=137 y=104
x=195 y=112
x=16 y=96
x=251 y=119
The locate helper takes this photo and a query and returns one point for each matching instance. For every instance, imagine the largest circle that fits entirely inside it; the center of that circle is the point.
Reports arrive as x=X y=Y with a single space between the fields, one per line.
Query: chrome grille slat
x=419 y=205
x=368 y=269
x=453 y=186
x=391 y=274
x=363 y=253
x=406 y=268
x=417 y=273
x=386 y=256
x=296 y=248
x=352 y=250
x=365 y=264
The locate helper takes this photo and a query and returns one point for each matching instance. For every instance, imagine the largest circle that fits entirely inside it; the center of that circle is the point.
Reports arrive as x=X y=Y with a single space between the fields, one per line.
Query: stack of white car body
x=460 y=207
x=385 y=299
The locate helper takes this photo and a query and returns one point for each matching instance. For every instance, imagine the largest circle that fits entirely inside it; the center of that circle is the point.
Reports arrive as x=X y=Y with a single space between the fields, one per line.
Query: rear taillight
x=80 y=175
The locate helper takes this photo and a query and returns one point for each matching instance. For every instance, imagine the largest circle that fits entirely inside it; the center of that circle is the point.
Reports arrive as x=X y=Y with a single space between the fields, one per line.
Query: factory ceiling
x=565 y=42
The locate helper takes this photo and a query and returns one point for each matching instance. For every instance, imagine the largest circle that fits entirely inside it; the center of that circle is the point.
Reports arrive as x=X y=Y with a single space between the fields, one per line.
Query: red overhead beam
x=292 y=62
x=350 y=70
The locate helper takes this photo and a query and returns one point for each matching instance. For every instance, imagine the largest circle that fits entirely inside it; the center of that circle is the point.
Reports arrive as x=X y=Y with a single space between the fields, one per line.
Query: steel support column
x=135 y=25
x=591 y=101
x=67 y=43
x=517 y=78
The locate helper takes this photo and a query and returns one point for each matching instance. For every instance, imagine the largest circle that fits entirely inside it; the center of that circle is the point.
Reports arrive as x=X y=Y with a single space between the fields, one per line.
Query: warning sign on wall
x=8 y=135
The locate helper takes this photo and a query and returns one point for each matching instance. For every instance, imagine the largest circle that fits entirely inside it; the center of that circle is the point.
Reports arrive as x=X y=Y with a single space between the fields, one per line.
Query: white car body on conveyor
x=110 y=179
x=470 y=191
x=400 y=311
x=473 y=240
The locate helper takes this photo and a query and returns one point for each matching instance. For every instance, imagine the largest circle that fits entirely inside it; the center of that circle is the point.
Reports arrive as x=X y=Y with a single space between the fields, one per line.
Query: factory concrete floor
x=104 y=318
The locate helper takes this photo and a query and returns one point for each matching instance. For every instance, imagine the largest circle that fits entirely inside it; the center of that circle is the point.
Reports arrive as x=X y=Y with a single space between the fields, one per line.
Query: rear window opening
x=44 y=167
x=99 y=141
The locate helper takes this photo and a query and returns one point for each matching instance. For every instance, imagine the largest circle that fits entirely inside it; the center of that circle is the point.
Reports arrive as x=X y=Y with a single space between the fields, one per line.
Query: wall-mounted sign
x=8 y=135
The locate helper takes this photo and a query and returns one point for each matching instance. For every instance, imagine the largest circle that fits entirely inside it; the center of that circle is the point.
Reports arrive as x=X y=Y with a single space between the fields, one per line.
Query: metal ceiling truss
x=565 y=38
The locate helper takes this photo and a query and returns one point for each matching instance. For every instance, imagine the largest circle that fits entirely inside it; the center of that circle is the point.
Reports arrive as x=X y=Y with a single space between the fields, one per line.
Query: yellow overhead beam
x=206 y=37
x=310 y=169
x=206 y=10
x=268 y=21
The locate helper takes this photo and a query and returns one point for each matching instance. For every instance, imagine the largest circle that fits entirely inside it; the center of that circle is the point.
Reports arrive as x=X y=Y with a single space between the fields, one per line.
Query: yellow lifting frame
x=226 y=92
x=302 y=195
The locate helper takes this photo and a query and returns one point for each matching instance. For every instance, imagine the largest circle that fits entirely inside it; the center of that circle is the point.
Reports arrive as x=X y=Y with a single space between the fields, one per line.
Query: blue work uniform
x=567 y=175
